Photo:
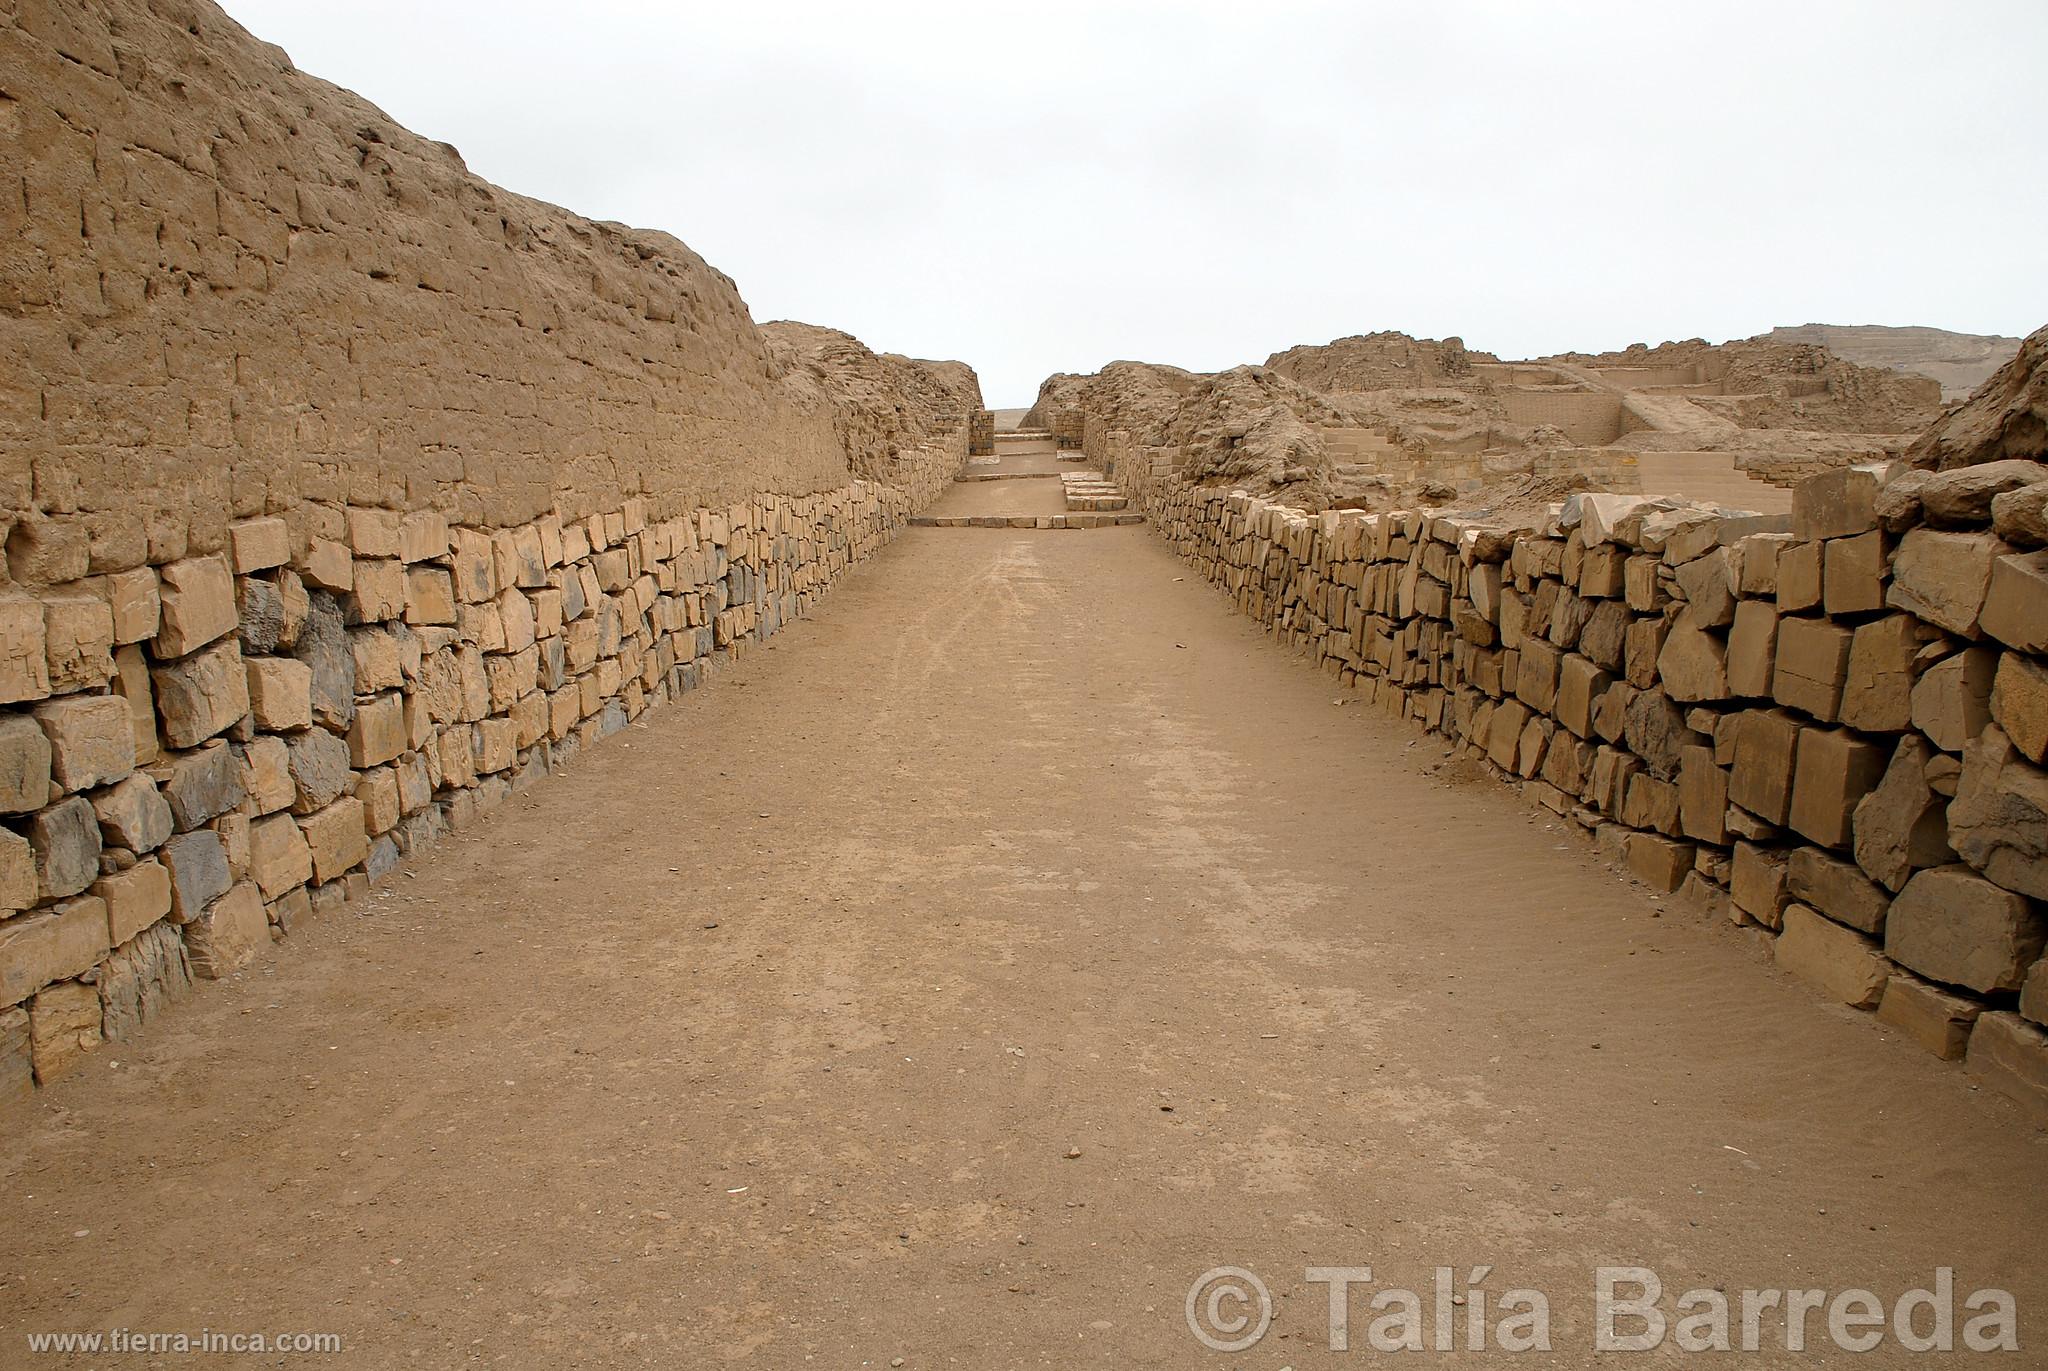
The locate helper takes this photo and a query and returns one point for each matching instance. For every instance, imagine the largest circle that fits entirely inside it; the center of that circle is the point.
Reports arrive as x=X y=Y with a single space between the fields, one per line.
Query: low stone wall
x=1828 y=728
x=198 y=752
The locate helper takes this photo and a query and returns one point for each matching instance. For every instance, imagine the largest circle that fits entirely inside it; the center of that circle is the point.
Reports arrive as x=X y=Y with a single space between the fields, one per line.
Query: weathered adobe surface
x=232 y=288
x=883 y=405
x=348 y=494
x=1829 y=727
x=1795 y=386
x=1960 y=362
x=1443 y=410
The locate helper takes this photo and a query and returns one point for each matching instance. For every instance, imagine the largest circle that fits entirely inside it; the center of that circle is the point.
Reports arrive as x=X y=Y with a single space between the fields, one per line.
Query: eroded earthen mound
x=2007 y=417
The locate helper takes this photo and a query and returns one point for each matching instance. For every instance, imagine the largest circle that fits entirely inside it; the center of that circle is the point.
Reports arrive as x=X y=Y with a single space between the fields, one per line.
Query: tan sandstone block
x=78 y=637
x=230 y=932
x=1812 y=664
x=1766 y=748
x=2019 y=704
x=337 y=837
x=202 y=695
x=1836 y=504
x=329 y=565
x=1834 y=770
x=1952 y=698
x=378 y=790
x=1943 y=577
x=377 y=734
x=135 y=899
x=1799 y=578
x=132 y=601
x=379 y=591
x=1852 y=574
x=197 y=603
x=1951 y=925
x=2012 y=1055
x=1658 y=862
x=92 y=740
x=278 y=856
x=1929 y=1015
x=259 y=544
x=429 y=596
x=2016 y=602
x=1838 y=960
x=423 y=537
x=280 y=693
x=373 y=532
x=266 y=773
x=64 y=1025
x=1752 y=648
x=131 y=682
x=24 y=658
x=24 y=764
x=68 y=939
x=1757 y=883
x=1878 y=693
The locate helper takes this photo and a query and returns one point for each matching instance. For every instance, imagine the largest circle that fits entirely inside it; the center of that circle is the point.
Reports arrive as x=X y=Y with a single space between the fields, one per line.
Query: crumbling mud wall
x=1830 y=728
x=345 y=494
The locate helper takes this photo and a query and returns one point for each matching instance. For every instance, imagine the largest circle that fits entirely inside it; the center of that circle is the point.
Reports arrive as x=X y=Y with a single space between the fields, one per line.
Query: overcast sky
x=1048 y=187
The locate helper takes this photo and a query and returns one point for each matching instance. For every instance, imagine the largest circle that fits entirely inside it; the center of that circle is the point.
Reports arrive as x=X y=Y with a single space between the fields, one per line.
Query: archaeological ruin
x=448 y=641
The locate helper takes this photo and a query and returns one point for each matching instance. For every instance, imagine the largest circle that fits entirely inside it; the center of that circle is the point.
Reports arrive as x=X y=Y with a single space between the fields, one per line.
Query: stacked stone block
x=196 y=754
x=1830 y=727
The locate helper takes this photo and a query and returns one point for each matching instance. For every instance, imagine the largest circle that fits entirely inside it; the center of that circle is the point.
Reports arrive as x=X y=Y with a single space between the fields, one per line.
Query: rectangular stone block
x=1702 y=796
x=1752 y=648
x=24 y=658
x=1929 y=1015
x=198 y=863
x=1812 y=665
x=423 y=537
x=197 y=600
x=1660 y=863
x=337 y=837
x=78 y=637
x=378 y=733
x=133 y=604
x=259 y=544
x=1799 y=577
x=202 y=695
x=1953 y=926
x=24 y=764
x=1757 y=883
x=1834 y=770
x=64 y=1025
x=429 y=596
x=1837 y=889
x=133 y=814
x=1852 y=573
x=2012 y=1056
x=2016 y=602
x=228 y=934
x=1841 y=962
x=66 y=839
x=1877 y=694
x=1766 y=748
x=1943 y=577
x=200 y=785
x=50 y=945
x=92 y=740
x=379 y=591
x=1836 y=504
x=280 y=693
x=135 y=899
x=373 y=532
x=278 y=856
x=131 y=683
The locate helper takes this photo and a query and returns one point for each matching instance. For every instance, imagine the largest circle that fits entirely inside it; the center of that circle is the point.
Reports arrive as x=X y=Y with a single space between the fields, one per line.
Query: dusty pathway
x=1006 y=945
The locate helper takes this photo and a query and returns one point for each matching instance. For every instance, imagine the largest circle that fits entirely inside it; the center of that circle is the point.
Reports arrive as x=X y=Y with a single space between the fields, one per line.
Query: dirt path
x=770 y=1033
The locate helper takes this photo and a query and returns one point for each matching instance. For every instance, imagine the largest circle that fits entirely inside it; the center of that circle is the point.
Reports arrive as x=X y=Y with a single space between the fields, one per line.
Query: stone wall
x=344 y=495
x=1828 y=728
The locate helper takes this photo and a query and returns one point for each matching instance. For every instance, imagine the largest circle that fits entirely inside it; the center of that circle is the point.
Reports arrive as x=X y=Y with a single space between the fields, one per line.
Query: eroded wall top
x=228 y=288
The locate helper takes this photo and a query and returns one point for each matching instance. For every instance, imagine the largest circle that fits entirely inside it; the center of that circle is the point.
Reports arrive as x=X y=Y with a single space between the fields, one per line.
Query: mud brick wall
x=1830 y=728
x=981 y=433
x=342 y=494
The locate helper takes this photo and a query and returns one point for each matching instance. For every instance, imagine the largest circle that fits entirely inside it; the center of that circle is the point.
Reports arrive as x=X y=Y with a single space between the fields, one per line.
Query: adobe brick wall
x=1829 y=728
x=345 y=494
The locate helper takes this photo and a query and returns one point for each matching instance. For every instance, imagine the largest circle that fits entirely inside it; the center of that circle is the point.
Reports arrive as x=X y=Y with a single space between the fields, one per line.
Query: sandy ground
x=956 y=979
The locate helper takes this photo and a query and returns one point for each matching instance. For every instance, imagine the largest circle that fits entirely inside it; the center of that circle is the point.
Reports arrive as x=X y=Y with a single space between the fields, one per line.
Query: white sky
x=1050 y=186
